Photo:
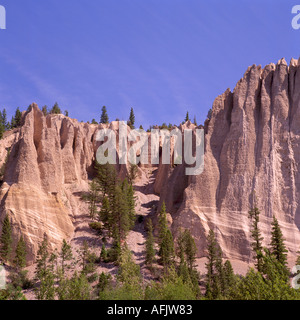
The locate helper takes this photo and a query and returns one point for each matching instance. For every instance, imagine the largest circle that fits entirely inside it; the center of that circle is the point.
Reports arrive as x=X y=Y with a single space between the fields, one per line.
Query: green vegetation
x=187 y=117
x=55 y=109
x=172 y=264
x=6 y=240
x=104 y=116
x=131 y=120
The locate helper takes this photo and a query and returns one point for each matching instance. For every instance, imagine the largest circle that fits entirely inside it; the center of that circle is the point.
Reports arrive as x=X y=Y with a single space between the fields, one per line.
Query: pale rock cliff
x=252 y=151
x=252 y=147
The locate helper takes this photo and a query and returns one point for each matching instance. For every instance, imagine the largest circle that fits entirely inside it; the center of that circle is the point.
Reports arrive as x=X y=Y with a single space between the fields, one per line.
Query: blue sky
x=161 y=57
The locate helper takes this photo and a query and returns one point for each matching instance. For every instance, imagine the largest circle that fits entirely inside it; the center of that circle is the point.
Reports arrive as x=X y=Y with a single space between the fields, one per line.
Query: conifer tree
x=42 y=258
x=65 y=255
x=133 y=171
x=20 y=256
x=187 y=117
x=187 y=249
x=78 y=288
x=105 y=215
x=131 y=120
x=129 y=193
x=106 y=179
x=45 y=272
x=162 y=224
x=103 y=255
x=278 y=248
x=6 y=239
x=166 y=242
x=150 y=251
x=55 y=109
x=13 y=123
x=104 y=281
x=129 y=272
x=2 y=125
x=18 y=117
x=190 y=249
x=213 y=267
x=229 y=277
x=83 y=255
x=45 y=110
x=104 y=116
x=92 y=198
x=257 y=238
x=120 y=214
x=4 y=119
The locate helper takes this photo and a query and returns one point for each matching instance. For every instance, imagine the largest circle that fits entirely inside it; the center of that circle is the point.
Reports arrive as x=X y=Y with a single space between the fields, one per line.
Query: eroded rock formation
x=252 y=151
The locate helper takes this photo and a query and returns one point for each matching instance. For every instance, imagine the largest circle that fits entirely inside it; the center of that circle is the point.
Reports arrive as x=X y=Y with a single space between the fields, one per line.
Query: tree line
x=111 y=201
x=61 y=276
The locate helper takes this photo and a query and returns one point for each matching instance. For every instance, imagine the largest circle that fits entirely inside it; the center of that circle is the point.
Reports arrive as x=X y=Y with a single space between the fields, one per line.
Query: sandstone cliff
x=252 y=147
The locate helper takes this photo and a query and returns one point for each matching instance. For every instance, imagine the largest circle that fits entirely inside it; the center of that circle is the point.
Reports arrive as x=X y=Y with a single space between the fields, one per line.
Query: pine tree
x=3 y=167
x=104 y=281
x=78 y=288
x=186 y=250
x=4 y=119
x=20 y=256
x=150 y=251
x=162 y=224
x=6 y=240
x=55 y=109
x=120 y=215
x=129 y=193
x=42 y=258
x=106 y=179
x=214 y=267
x=18 y=118
x=128 y=272
x=105 y=215
x=133 y=171
x=190 y=249
x=131 y=120
x=66 y=113
x=45 y=272
x=187 y=117
x=13 y=123
x=92 y=198
x=166 y=242
x=2 y=124
x=45 y=110
x=103 y=255
x=83 y=256
x=257 y=238
x=65 y=255
x=229 y=277
x=104 y=116
x=278 y=248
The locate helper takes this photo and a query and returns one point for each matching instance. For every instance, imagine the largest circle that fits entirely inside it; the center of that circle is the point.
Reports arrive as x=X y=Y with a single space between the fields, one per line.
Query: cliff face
x=49 y=160
x=252 y=150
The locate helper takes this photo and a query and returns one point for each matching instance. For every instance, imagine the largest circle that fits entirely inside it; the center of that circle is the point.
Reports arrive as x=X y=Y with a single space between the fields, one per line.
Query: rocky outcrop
x=252 y=151
x=50 y=163
x=48 y=154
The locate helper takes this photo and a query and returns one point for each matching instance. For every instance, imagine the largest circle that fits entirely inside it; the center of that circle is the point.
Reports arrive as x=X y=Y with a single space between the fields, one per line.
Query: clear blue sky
x=161 y=57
